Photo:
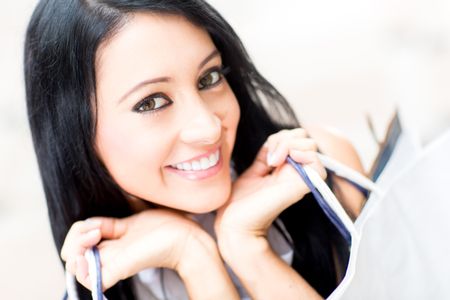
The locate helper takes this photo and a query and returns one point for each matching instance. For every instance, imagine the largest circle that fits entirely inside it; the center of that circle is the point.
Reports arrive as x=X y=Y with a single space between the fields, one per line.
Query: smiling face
x=166 y=116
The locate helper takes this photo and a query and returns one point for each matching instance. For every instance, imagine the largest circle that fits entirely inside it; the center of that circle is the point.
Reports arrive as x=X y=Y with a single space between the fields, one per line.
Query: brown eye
x=148 y=105
x=210 y=79
x=152 y=103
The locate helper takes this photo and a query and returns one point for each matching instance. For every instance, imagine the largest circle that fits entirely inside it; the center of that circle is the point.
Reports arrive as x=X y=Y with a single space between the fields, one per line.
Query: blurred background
x=336 y=62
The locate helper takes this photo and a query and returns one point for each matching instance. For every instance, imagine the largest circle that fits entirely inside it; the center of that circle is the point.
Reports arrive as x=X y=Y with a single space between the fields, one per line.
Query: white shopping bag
x=401 y=241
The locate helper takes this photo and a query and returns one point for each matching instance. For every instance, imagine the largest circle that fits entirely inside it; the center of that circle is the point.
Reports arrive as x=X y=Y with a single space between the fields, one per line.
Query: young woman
x=141 y=112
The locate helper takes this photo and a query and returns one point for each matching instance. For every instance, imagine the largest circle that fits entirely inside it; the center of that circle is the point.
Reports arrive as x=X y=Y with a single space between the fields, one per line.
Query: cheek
x=231 y=119
x=129 y=153
x=236 y=113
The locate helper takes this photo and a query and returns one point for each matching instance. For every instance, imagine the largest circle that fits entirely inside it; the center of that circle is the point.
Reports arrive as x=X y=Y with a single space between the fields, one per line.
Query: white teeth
x=202 y=164
x=196 y=165
x=214 y=158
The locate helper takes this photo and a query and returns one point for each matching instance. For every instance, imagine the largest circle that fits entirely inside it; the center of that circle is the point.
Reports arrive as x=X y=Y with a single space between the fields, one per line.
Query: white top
x=165 y=284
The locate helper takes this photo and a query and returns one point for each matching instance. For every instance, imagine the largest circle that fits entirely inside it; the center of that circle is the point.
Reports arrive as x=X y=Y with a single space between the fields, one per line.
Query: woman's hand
x=259 y=195
x=152 y=238
x=269 y=185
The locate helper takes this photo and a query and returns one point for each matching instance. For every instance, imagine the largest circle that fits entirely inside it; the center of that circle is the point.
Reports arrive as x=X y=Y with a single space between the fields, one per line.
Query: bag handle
x=348 y=173
x=325 y=197
x=93 y=258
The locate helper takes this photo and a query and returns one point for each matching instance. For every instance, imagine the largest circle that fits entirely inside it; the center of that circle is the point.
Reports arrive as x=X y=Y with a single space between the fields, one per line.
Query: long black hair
x=60 y=50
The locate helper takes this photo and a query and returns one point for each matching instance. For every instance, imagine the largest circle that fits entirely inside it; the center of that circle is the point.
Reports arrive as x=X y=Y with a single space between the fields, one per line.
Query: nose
x=203 y=128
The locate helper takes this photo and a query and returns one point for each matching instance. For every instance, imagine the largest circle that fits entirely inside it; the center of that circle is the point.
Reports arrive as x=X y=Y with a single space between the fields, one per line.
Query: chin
x=204 y=204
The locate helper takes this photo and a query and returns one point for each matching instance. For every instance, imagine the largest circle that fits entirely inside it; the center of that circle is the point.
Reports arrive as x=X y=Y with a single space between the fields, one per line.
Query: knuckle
x=278 y=135
x=312 y=144
x=299 y=132
x=272 y=138
x=285 y=143
x=272 y=142
x=77 y=226
x=62 y=254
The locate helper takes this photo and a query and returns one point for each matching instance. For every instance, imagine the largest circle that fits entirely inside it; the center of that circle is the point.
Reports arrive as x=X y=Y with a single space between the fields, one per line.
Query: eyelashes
x=158 y=101
x=152 y=103
x=212 y=77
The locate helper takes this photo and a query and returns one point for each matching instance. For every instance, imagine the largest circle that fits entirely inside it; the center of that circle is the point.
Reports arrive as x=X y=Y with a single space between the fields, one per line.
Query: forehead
x=152 y=43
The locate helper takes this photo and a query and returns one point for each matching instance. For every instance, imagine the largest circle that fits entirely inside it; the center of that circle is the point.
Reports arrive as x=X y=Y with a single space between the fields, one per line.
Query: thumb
x=259 y=167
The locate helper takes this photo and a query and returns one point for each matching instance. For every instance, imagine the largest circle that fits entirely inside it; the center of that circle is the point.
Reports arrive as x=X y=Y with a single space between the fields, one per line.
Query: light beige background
x=336 y=61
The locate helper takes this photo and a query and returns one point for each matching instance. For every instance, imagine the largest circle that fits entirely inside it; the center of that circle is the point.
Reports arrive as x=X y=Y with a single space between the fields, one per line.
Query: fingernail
x=93 y=232
x=271 y=158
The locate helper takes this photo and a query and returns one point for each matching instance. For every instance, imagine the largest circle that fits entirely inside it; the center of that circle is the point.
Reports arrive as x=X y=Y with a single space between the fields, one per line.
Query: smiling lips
x=202 y=163
x=199 y=168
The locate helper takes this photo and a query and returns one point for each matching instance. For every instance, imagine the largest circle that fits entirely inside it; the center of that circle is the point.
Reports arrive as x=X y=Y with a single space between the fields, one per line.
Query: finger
x=77 y=230
x=279 y=154
x=309 y=158
x=259 y=167
x=112 y=228
x=90 y=239
x=82 y=271
x=275 y=138
x=302 y=157
x=78 y=245
x=299 y=132
x=71 y=265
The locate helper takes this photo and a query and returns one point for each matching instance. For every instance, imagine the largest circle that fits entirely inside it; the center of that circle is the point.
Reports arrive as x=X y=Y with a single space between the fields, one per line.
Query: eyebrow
x=166 y=79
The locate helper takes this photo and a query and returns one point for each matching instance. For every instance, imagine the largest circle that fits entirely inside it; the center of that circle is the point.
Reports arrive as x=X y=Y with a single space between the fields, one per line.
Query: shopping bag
x=404 y=245
x=400 y=244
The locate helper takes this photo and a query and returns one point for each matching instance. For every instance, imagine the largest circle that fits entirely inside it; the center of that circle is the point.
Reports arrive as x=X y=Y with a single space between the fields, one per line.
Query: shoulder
x=335 y=145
